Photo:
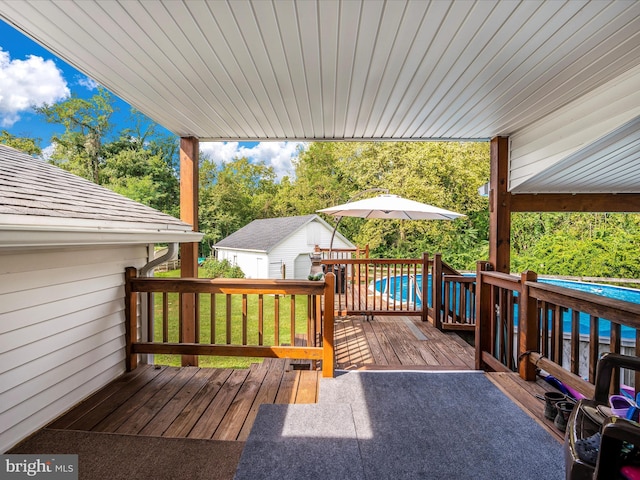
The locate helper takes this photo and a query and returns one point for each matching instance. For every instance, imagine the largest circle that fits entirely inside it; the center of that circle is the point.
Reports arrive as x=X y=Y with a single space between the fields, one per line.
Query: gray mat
x=409 y=425
x=111 y=456
x=294 y=442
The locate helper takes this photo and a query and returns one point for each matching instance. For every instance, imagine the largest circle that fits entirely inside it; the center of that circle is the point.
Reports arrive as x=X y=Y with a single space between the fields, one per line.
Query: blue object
x=551 y=380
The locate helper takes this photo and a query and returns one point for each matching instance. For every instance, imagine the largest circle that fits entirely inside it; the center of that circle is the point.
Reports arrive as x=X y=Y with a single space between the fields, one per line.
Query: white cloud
x=27 y=83
x=275 y=154
x=47 y=152
x=88 y=83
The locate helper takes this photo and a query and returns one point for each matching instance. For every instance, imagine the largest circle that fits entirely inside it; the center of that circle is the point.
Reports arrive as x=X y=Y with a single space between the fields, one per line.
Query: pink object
x=630 y=472
x=574 y=393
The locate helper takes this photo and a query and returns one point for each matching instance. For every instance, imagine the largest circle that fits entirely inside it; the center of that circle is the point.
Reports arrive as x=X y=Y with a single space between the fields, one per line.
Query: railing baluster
x=509 y=321
x=150 y=315
x=260 y=319
x=213 y=317
x=594 y=344
x=559 y=330
x=180 y=335
x=197 y=319
x=494 y=324
x=544 y=325
x=575 y=342
x=293 y=319
x=464 y=290
x=310 y=321
x=276 y=319
x=244 y=319
x=614 y=346
x=165 y=317
x=228 y=319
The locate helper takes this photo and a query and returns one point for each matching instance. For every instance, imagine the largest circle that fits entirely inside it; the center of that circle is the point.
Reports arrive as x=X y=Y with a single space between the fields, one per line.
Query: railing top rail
x=448 y=269
x=374 y=261
x=500 y=279
x=617 y=311
x=459 y=278
x=228 y=286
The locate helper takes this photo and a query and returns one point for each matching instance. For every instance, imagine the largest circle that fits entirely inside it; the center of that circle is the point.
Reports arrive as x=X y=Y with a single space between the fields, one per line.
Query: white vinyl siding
x=554 y=154
x=61 y=330
x=296 y=244
x=252 y=264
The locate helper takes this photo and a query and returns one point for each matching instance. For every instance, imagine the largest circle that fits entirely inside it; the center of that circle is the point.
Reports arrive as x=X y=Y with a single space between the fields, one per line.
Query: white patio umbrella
x=392 y=207
x=388 y=206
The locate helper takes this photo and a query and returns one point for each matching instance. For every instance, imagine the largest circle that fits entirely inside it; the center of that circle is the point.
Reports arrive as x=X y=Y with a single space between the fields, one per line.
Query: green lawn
x=236 y=324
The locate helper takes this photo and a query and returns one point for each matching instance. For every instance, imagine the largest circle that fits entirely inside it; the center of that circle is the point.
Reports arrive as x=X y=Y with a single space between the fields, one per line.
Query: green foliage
x=232 y=195
x=577 y=244
x=212 y=268
x=137 y=173
x=24 y=144
x=80 y=148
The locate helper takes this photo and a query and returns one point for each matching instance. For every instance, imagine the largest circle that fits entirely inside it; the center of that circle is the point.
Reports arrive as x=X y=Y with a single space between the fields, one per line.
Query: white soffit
x=589 y=146
x=330 y=69
x=555 y=76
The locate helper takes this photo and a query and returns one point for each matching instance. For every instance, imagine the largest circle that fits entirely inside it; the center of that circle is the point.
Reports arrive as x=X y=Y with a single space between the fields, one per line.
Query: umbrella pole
x=333 y=234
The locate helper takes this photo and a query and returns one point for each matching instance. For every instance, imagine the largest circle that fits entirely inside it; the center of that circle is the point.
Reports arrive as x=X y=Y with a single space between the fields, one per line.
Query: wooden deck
x=388 y=342
x=222 y=404
x=190 y=402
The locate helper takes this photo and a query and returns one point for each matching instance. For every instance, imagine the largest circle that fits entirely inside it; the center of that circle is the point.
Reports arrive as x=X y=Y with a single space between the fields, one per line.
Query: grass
x=235 y=331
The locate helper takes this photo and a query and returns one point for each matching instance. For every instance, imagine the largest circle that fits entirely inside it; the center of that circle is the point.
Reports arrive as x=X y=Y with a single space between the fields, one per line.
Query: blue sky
x=31 y=75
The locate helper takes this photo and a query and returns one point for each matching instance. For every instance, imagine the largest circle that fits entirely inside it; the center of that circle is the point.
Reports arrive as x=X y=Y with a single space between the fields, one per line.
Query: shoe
x=587 y=448
x=620 y=405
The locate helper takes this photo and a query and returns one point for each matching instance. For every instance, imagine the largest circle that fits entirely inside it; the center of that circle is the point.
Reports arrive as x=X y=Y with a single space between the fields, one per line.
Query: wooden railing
x=540 y=339
x=244 y=318
x=370 y=286
x=425 y=287
x=459 y=302
x=342 y=253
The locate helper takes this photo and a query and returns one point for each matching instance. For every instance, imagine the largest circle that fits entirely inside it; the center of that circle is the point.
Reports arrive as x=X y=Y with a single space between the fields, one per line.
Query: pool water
x=402 y=288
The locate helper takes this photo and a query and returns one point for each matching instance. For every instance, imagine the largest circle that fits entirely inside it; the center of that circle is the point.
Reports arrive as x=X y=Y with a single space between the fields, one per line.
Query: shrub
x=212 y=268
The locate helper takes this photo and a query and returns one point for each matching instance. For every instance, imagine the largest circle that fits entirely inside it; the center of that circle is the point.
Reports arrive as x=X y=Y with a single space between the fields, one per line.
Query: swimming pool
x=402 y=288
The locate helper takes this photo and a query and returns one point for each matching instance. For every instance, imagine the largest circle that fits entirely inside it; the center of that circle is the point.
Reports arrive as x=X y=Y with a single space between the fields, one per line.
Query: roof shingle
x=32 y=189
x=264 y=234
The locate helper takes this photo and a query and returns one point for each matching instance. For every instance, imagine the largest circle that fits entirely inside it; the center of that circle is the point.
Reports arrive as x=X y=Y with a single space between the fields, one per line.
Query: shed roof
x=266 y=233
x=38 y=197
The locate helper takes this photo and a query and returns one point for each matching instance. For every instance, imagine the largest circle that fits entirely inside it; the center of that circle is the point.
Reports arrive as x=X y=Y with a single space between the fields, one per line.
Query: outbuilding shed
x=278 y=247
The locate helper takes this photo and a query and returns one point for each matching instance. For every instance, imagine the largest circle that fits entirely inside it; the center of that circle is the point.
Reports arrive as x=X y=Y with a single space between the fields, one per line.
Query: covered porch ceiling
x=560 y=79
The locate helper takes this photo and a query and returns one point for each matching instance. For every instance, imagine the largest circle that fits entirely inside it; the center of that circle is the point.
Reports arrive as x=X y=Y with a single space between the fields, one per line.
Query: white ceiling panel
x=350 y=69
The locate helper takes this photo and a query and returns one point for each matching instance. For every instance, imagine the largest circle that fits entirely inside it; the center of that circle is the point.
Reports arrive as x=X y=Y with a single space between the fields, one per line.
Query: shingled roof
x=264 y=234
x=37 y=195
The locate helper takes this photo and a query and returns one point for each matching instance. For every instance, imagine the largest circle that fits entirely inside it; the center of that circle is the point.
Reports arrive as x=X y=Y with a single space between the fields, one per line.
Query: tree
x=142 y=176
x=232 y=195
x=24 y=144
x=80 y=148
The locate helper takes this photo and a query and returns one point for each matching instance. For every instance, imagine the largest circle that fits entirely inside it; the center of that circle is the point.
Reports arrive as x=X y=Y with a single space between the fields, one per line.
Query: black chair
x=587 y=420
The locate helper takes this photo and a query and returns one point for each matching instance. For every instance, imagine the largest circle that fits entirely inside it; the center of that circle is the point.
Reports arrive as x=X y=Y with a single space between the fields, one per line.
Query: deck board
x=387 y=341
x=172 y=409
x=523 y=394
x=192 y=412
x=223 y=403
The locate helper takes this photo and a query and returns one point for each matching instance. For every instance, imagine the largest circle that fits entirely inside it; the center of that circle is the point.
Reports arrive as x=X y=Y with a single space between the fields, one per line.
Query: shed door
x=302 y=265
